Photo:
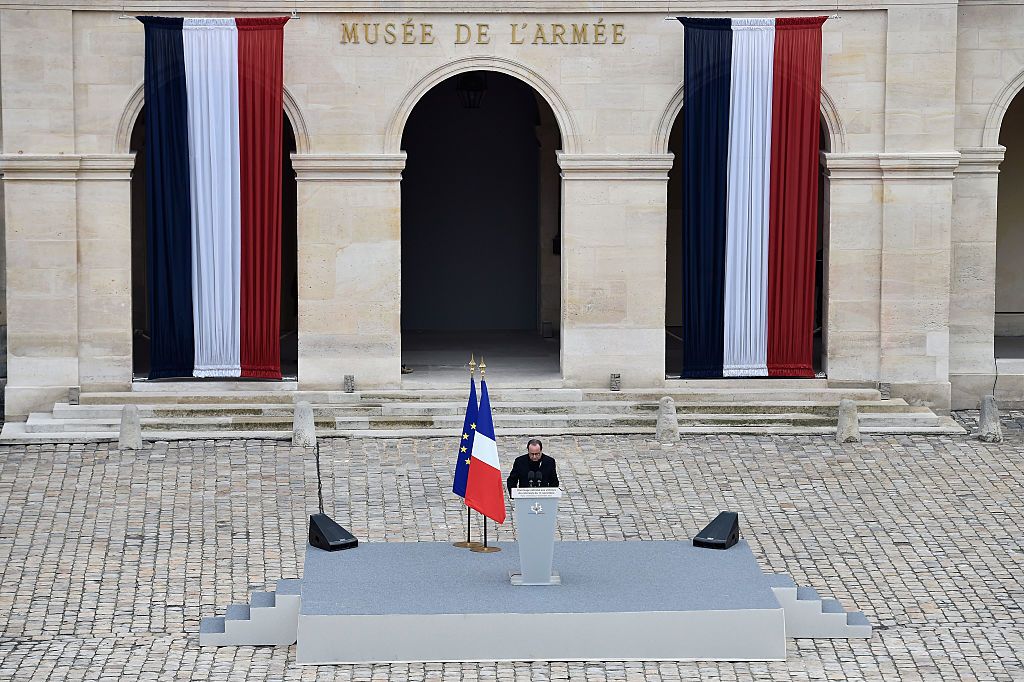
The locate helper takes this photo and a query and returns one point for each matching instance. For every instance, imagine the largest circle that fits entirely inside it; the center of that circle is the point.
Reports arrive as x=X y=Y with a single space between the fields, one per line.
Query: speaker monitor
x=327 y=535
x=722 y=533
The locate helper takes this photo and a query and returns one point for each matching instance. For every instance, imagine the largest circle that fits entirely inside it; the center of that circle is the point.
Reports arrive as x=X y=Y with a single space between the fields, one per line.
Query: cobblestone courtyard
x=109 y=559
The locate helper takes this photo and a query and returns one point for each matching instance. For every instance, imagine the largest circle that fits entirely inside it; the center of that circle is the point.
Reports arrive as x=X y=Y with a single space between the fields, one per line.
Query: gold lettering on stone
x=349 y=33
x=481 y=34
x=579 y=34
x=539 y=36
x=558 y=34
x=427 y=34
x=462 y=34
x=515 y=40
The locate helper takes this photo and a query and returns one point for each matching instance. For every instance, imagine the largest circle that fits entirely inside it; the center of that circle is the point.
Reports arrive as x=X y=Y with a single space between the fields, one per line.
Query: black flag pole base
x=485 y=548
x=467 y=542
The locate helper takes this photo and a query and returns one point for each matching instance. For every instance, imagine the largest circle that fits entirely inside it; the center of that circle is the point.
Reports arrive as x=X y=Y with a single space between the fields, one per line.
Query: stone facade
x=913 y=100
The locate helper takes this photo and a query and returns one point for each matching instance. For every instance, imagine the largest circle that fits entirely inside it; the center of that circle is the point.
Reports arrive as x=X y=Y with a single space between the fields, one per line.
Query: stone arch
x=829 y=112
x=133 y=107
x=566 y=123
x=994 y=120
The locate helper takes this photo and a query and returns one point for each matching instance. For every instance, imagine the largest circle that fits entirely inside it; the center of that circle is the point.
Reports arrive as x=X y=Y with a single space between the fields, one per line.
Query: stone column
x=349 y=250
x=105 y=272
x=40 y=215
x=973 y=294
x=613 y=268
x=854 y=268
x=916 y=253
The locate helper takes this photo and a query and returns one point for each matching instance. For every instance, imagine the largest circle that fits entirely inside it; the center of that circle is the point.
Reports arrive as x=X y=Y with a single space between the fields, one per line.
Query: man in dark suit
x=533 y=469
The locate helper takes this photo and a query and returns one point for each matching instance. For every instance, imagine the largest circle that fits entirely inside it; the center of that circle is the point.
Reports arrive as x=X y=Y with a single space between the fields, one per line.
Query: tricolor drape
x=213 y=90
x=751 y=99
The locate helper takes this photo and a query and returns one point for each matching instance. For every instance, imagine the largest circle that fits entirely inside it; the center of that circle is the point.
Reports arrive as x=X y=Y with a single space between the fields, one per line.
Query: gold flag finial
x=472 y=364
x=483 y=367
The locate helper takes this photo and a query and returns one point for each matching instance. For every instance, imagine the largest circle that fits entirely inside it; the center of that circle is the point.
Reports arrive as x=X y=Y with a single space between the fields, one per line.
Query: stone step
x=754 y=419
x=113 y=411
x=895 y=419
x=753 y=382
x=213 y=386
x=200 y=393
x=501 y=421
x=736 y=395
x=179 y=398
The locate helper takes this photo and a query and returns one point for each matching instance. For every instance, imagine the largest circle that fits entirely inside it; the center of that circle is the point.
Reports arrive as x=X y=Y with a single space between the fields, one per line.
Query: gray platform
x=618 y=601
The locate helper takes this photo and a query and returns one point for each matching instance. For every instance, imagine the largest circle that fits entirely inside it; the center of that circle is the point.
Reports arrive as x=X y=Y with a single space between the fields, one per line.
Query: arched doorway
x=1009 y=322
x=289 y=260
x=481 y=204
x=674 y=253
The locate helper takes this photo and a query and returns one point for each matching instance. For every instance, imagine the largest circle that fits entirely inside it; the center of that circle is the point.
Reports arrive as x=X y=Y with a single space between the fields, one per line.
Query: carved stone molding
x=615 y=166
x=980 y=160
x=67 y=166
x=348 y=167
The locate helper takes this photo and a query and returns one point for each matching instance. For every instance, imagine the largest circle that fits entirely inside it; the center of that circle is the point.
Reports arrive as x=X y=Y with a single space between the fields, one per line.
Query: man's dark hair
x=535 y=441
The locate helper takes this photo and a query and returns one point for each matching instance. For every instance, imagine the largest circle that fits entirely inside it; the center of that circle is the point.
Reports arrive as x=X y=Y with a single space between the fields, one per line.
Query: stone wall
x=909 y=94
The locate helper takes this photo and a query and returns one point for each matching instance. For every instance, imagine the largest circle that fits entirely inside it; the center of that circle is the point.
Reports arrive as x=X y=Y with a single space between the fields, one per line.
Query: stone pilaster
x=854 y=267
x=105 y=272
x=350 y=260
x=916 y=254
x=613 y=268
x=40 y=215
x=973 y=285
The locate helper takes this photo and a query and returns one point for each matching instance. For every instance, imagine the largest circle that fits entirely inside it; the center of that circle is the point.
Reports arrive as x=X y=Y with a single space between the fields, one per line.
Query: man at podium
x=533 y=470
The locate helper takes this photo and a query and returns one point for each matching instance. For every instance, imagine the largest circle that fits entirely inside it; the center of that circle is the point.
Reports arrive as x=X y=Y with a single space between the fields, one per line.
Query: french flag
x=752 y=90
x=213 y=90
x=485 y=491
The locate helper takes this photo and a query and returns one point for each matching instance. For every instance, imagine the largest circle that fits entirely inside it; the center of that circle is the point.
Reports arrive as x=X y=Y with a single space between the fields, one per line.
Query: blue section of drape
x=707 y=63
x=168 y=212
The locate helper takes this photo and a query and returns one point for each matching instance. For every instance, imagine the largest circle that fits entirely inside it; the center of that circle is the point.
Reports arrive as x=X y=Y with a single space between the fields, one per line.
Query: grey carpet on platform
x=597 y=577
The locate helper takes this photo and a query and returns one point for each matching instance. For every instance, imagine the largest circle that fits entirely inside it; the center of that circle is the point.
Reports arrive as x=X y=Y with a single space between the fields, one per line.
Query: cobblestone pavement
x=109 y=558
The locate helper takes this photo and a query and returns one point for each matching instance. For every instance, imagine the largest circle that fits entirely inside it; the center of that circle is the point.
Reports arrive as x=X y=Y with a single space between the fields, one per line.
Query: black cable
x=319 y=482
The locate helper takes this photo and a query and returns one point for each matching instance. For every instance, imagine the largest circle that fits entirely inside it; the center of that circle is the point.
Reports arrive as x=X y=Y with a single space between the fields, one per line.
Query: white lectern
x=535 y=510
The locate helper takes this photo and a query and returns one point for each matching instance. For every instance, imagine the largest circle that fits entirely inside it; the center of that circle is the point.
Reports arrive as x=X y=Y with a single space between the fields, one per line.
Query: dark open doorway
x=481 y=195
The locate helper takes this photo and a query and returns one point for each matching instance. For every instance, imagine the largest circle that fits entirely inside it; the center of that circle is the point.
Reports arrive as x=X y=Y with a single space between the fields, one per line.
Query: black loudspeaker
x=722 y=533
x=325 y=534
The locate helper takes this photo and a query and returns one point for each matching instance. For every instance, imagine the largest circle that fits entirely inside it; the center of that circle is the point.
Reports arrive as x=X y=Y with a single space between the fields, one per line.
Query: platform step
x=237 y=612
x=262 y=600
x=211 y=625
x=810 y=615
x=269 y=618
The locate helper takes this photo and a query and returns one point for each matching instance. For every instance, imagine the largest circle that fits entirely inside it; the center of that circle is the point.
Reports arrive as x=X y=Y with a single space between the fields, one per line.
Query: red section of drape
x=796 y=101
x=260 y=88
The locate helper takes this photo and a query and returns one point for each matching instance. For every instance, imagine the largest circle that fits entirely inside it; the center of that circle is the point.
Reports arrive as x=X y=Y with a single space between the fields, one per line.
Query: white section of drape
x=746 y=241
x=211 y=75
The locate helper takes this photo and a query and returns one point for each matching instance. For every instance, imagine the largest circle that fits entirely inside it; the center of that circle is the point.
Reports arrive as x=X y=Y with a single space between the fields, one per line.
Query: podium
x=535 y=511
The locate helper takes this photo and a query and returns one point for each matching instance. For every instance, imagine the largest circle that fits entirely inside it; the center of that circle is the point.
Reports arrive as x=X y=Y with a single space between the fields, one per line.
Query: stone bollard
x=668 y=423
x=130 y=436
x=989 y=429
x=303 y=427
x=847 y=429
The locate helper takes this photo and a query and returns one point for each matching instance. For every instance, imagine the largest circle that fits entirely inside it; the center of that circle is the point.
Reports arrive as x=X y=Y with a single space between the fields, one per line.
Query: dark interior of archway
x=480 y=212
x=1009 y=310
x=674 y=255
x=289 y=259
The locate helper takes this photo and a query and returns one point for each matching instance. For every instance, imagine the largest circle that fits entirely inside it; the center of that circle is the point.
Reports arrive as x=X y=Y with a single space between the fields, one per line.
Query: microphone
x=530 y=480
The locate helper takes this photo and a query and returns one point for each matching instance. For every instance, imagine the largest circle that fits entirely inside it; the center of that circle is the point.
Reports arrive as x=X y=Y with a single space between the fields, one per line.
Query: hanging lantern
x=471 y=87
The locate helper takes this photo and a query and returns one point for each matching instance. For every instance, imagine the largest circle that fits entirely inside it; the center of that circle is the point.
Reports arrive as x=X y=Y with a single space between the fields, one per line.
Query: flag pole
x=484 y=547
x=469 y=542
